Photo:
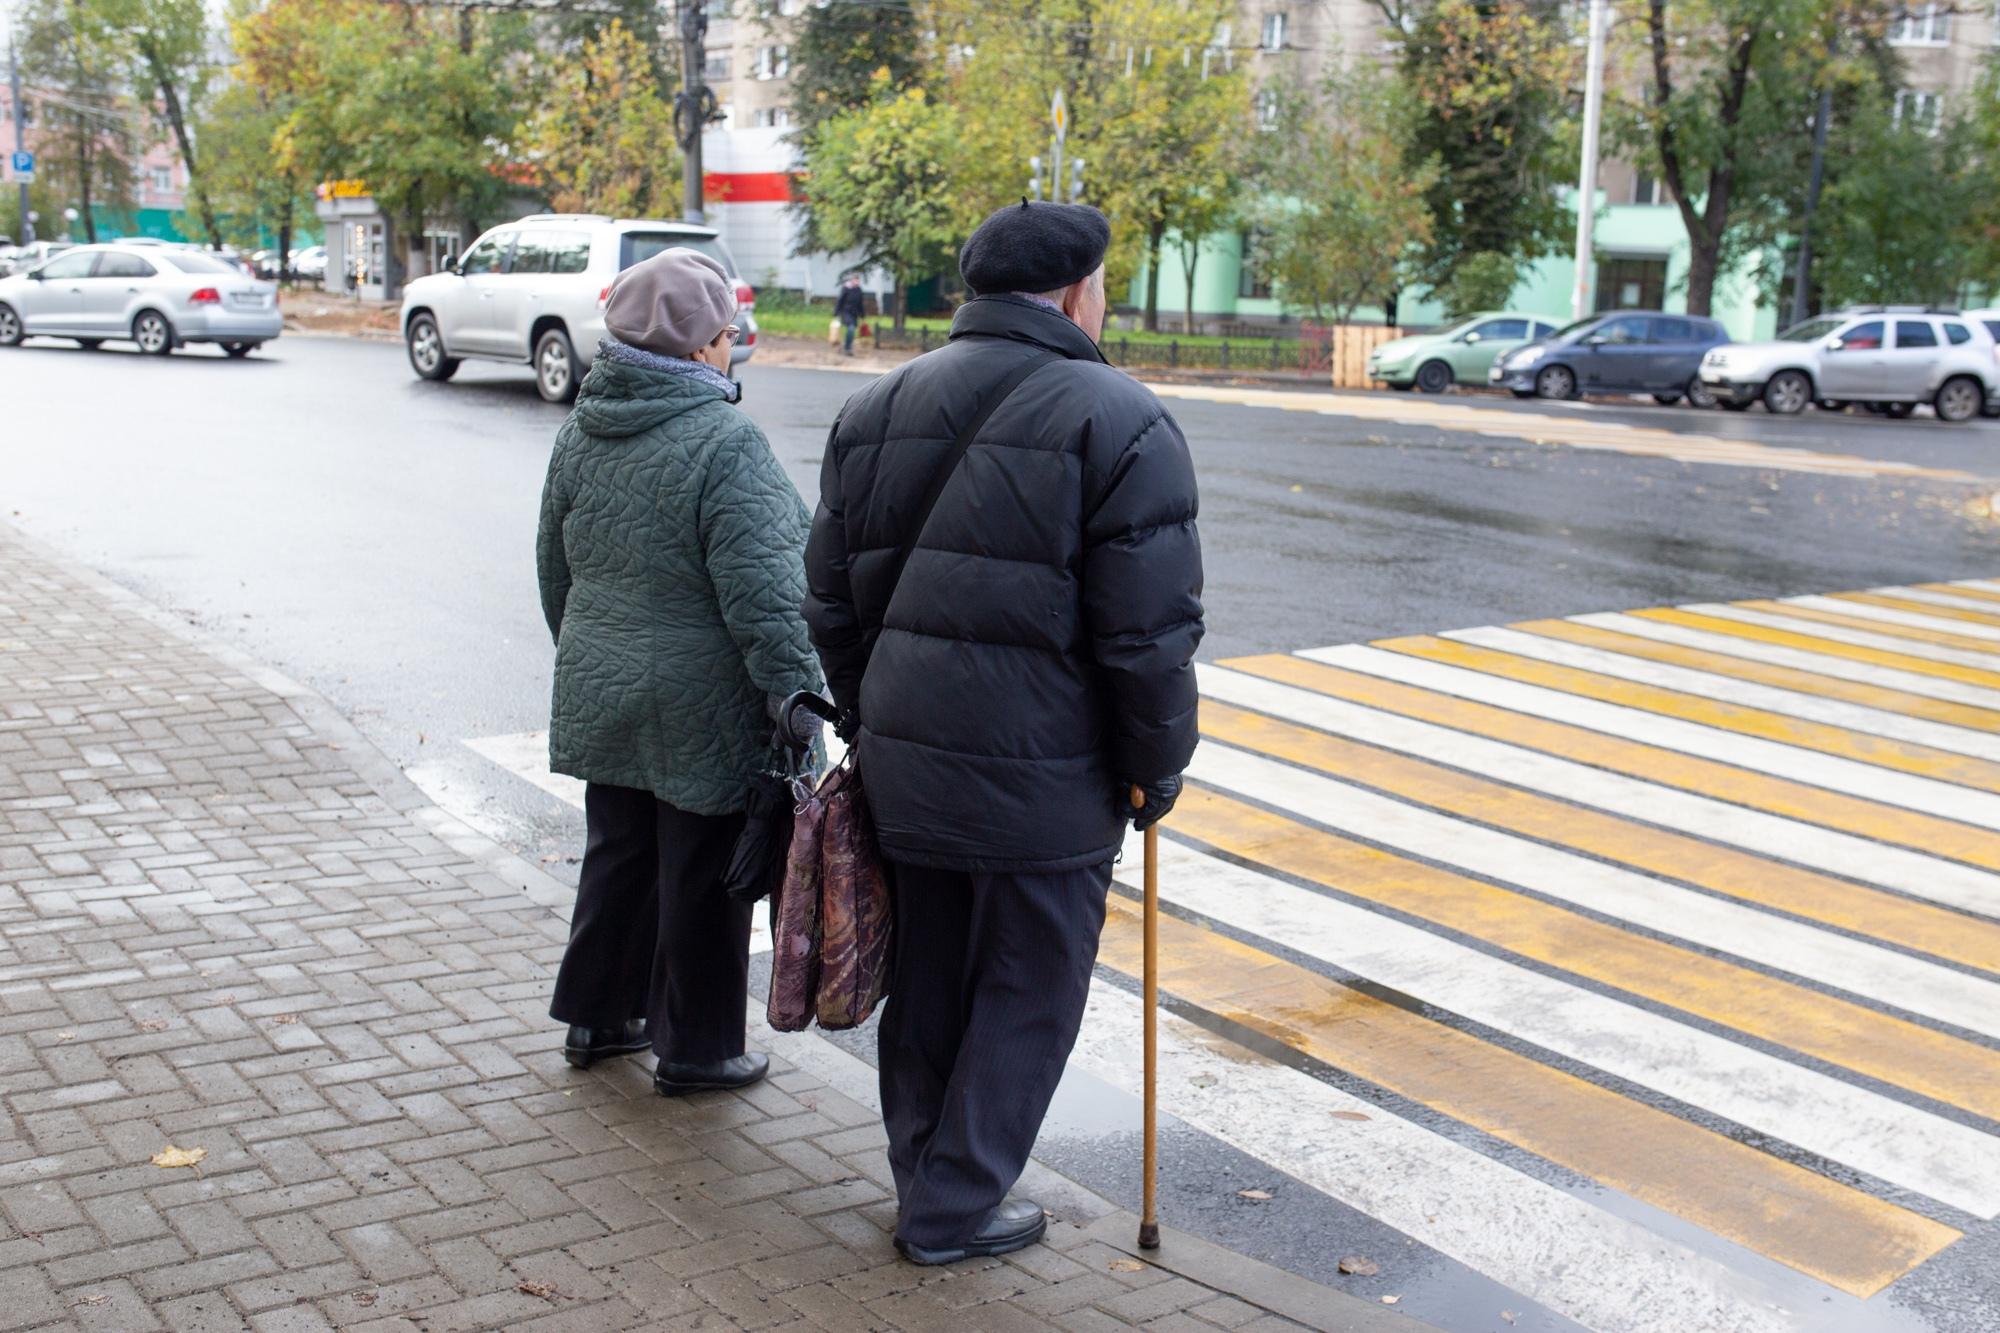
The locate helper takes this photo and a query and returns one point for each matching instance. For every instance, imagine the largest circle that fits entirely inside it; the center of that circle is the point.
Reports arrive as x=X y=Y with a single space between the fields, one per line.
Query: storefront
x=361 y=255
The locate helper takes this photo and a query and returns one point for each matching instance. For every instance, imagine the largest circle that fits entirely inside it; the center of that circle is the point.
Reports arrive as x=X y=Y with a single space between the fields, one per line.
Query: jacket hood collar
x=621 y=398
x=1023 y=321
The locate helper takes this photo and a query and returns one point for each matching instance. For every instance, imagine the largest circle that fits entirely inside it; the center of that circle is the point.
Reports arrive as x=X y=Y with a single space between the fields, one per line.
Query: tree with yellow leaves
x=603 y=139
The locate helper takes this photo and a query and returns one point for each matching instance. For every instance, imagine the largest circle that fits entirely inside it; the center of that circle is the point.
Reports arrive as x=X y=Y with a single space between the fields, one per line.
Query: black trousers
x=992 y=971
x=654 y=935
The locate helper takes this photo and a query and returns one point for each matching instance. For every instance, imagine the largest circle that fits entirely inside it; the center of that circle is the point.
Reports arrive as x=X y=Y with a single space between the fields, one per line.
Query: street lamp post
x=1586 y=190
x=692 y=105
x=14 y=84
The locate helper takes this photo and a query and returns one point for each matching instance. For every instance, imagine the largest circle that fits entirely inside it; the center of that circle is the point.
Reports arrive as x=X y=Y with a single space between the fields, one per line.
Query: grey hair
x=1056 y=295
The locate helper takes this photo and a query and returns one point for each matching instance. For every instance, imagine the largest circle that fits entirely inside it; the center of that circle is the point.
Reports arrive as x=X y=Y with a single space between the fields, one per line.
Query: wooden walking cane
x=1149 y=1224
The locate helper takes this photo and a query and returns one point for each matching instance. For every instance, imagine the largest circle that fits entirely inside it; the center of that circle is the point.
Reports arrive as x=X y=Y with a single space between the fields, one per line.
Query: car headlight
x=1527 y=356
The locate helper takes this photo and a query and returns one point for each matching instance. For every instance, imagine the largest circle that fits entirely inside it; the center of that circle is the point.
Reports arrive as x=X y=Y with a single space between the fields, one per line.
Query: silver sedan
x=160 y=297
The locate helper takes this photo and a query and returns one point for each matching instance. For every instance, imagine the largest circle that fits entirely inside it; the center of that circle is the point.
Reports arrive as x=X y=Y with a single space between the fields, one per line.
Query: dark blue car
x=1622 y=351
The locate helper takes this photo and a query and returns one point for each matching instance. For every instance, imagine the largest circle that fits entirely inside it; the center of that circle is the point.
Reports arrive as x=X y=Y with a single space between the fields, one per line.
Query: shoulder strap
x=920 y=518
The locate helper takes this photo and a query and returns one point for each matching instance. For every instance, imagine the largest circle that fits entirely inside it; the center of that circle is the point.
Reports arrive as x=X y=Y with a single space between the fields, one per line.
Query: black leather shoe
x=1015 y=1225
x=739 y=1071
x=584 y=1047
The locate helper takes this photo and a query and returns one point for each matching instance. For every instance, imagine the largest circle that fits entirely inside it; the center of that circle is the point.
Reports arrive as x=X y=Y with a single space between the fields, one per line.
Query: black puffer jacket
x=1037 y=656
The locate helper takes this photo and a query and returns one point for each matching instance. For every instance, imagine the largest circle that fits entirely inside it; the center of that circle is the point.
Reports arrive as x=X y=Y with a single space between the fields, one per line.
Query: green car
x=1462 y=354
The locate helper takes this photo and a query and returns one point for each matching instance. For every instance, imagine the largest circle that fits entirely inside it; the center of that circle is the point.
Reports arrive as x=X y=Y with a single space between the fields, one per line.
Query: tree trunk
x=177 y=119
x=285 y=243
x=902 y=299
x=1190 y=256
x=1703 y=255
x=87 y=163
x=1154 y=236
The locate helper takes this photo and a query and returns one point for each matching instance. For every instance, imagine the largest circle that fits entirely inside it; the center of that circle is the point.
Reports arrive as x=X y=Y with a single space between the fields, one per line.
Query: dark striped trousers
x=991 y=975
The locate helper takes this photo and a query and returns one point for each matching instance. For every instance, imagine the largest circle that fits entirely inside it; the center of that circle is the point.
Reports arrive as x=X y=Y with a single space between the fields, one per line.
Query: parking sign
x=23 y=166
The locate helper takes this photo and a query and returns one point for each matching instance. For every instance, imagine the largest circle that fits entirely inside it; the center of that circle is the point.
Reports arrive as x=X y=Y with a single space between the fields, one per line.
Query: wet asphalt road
x=373 y=536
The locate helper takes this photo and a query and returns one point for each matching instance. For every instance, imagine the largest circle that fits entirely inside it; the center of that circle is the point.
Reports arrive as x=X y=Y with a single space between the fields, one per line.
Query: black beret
x=1034 y=247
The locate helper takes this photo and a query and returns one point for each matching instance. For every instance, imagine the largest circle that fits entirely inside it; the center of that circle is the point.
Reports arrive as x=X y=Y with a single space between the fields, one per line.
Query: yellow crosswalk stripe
x=1840 y=1032
x=1932 y=609
x=1813 y=643
x=1781 y=796
x=1740 y=875
x=1882 y=751
x=1839 y=1235
x=1765 y=673
x=1961 y=590
x=1914 y=633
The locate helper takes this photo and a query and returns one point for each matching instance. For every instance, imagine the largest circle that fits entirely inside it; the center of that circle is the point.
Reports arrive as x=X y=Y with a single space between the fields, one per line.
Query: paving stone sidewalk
x=227 y=925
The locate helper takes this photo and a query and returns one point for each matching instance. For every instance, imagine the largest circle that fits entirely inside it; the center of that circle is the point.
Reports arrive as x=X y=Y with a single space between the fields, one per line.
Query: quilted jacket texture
x=1037 y=654
x=669 y=558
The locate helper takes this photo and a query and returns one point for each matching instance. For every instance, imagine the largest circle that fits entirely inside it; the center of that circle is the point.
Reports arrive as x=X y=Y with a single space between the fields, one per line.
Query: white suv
x=533 y=292
x=1887 y=359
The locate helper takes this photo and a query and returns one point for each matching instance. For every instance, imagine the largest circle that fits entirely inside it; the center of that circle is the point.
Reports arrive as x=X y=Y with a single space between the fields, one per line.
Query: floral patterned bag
x=854 y=909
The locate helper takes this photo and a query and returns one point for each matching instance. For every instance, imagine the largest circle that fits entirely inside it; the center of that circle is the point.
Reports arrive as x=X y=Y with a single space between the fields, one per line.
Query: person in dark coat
x=670 y=563
x=1007 y=688
x=848 y=308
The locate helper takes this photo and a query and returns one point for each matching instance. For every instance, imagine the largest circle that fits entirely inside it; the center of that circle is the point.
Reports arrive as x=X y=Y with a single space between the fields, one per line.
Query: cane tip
x=1149 y=1235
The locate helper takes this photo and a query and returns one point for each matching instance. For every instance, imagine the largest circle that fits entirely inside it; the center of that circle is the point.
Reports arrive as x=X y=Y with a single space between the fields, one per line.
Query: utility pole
x=14 y=85
x=1802 y=276
x=1586 y=190
x=692 y=104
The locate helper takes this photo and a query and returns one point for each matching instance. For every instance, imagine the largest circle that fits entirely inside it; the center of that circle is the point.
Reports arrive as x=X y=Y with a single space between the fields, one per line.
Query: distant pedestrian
x=669 y=557
x=1007 y=687
x=848 y=307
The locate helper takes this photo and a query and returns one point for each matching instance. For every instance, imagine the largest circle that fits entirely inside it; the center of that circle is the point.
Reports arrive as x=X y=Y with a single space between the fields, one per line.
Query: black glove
x=799 y=730
x=1160 y=797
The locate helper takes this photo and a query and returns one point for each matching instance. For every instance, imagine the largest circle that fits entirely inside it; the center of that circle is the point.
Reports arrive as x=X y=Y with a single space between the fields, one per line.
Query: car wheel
x=1897 y=411
x=10 y=327
x=1960 y=398
x=153 y=333
x=1787 y=393
x=238 y=351
x=1556 y=382
x=426 y=348
x=90 y=344
x=1666 y=399
x=555 y=367
x=1434 y=377
x=1699 y=394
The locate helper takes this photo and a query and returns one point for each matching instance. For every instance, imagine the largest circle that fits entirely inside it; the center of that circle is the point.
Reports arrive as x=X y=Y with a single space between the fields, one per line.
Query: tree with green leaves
x=839 y=48
x=255 y=194
x=170 y=44
x=602 y=140
x=1353 y=212
x=73 y=63
x=1871 y=244
x=881 y=180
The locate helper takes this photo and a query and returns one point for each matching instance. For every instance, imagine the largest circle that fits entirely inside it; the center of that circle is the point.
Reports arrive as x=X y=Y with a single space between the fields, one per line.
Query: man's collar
x=1003 y=316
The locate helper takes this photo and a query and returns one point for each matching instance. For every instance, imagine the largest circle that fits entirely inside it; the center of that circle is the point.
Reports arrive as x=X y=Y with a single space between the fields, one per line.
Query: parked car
x=533 y=291
x=27 y=256
x=1461 y=354
x=310 y=263
x=1620 y=351
x=1885 y=358
x=159 y=296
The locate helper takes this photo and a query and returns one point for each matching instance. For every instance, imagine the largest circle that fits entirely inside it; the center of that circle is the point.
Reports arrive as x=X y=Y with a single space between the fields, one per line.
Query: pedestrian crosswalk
x=1646 y=962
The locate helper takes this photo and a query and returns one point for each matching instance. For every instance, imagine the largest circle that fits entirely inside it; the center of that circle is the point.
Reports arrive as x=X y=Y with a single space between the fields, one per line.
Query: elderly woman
x=671 y=574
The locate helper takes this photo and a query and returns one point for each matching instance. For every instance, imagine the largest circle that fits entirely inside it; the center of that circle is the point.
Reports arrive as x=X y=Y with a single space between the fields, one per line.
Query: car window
x=1542 y=330
x=1992 y=327
x=1955 y=333
x=193 y=261
x=569 y=251
x=531 y=252
x=1509 y=330
x=634 y=246
x=1669 y=330
x=112 y=264
x=487 y=256
x=1630 y=329
x=1865 y=337
x=1810 y=331
x=71 y=265
x=1915 y=333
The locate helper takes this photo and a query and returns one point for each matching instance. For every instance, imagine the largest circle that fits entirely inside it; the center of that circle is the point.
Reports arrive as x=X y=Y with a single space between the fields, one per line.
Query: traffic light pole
x=14 y=86
x=691 y=105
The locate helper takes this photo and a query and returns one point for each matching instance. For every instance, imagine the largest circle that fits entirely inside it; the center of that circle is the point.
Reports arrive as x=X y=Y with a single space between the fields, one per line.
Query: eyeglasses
x=731 y=332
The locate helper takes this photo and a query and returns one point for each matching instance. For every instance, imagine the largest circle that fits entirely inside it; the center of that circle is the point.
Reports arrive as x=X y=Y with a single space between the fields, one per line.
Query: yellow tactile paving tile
x=1812 y=643
x=1841 y=1236
x=1884 y=752
x=1765 y=673
x=1707 y=777
x=1842 y=1033
x=1741 y=875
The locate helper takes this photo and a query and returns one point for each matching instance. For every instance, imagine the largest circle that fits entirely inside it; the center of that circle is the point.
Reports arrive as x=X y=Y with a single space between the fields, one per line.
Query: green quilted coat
x=670 y=557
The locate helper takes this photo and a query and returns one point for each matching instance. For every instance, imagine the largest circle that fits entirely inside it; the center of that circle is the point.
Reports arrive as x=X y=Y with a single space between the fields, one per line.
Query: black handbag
x=757 y=863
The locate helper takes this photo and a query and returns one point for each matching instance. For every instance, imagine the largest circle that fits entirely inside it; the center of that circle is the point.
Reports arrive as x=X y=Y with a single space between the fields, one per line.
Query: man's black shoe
x=1015 y=1225
x=739 y=1071
x=584 y=1047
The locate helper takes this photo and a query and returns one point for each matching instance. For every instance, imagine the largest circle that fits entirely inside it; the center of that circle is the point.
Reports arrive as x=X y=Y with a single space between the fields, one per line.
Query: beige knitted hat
x=672 y=304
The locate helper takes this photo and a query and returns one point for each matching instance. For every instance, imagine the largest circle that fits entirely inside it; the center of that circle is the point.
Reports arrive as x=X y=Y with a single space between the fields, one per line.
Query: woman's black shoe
x=1015 y=1225
x=584 y=1047
x=740 y=1071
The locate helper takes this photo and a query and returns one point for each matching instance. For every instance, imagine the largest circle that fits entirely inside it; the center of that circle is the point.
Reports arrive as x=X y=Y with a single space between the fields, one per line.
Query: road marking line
x=1986 y=591
x=1838 y=1031
x=1823 y=633
x=1927 y=606
x=1847 y=1239
x=1815 y=1111
x=1943 y=595
x=1553 y=1247
x=1726 y=925
x=1851 y=606
x=1885 y=687
x=1833 y=726
x=1440 y=728
x=1412 y=663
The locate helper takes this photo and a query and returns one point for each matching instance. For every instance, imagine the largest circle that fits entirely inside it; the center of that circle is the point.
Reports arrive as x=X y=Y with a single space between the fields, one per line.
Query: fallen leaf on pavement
x=364 y=1298
x=95 y=1298
x=1391 y=1300
x=551 y=858
x=65 y=1036
x=1510 y=1316
x=1350 y=1115
x=1297 y=489
x=1126 y=1266
x=1203 y=1080
x=1253 y=1194
x=531 y=1287
x=285 y=1020
x=152 y=1025
x=172 y=1156
x=1360 y=1266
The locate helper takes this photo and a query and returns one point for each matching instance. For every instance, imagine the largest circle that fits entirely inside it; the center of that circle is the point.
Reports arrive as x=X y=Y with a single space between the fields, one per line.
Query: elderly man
x=1004 y=588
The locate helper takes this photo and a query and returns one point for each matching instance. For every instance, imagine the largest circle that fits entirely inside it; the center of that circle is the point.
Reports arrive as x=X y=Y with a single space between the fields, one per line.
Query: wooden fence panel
x=1351 y=345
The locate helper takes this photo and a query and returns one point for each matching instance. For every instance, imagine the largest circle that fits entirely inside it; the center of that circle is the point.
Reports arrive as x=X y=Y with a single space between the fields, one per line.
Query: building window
x=715 y=69
x=774 y=62
x=1649 y=190
x=1918 y=111
x=1275 y=31
x=771 y=117
x=1251 y=284
x=163 y=180
x=1920 y=25
x=1267 y=109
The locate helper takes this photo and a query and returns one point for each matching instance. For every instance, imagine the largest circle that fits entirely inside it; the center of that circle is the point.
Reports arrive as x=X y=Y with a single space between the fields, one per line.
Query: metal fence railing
x=1249 y=356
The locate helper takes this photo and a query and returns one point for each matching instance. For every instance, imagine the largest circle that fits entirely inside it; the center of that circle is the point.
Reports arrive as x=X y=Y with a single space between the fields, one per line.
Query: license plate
x=246 y=300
